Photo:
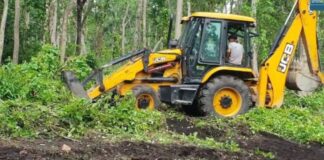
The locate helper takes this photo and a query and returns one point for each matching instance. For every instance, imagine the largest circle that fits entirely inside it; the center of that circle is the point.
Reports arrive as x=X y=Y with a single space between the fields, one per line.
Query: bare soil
x=44 y=149
x=249 y=143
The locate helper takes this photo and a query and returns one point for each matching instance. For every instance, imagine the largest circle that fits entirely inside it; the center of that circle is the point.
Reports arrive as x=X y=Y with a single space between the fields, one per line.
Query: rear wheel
x=225 y=96
x=146 y=98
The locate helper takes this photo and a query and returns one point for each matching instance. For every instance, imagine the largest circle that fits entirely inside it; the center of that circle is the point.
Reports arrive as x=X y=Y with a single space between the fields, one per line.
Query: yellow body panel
x=321 y=76
x=171 y=51
x=135 y=70
x=184 y=19
x=214 y=71
x=224 y=16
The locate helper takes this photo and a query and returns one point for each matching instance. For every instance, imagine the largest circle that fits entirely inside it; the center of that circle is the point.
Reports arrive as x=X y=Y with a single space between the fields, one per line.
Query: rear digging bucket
x=74 y=84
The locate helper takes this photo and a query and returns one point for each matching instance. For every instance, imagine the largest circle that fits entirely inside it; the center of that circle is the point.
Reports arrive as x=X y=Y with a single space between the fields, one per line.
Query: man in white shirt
x=235 y=51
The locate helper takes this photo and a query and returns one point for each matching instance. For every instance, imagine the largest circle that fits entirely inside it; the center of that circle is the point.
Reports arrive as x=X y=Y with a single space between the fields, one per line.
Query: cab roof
x=224 y=16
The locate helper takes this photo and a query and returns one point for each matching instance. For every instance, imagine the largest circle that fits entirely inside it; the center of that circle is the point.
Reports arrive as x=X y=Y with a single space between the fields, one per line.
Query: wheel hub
x=143 y=103
x=226 y=102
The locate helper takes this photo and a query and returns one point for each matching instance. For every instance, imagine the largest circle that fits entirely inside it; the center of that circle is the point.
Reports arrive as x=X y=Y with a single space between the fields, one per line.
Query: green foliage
x=38 y=103
x=32 y=80
x=125 y=118
x=79 y=65
x=270 y=18
x=75 y=118
x=313 y=102
x=40 y=79
x=24 y=119
x=209 y=143
x=105 y=118
x=292 y=123
x=267 y=155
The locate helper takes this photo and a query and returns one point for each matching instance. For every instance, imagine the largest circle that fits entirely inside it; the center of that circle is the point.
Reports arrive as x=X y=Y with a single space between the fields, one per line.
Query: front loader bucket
x=74 y=85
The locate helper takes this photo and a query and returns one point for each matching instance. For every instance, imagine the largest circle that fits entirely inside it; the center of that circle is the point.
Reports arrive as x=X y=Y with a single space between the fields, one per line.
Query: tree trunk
x=144 y=23
x=254 y=46
x=15 y=56
x=124 y=24
x=139 y=21
x=80 y=5
x=63 y=38
x=3 y=27
x=99 y=41
x=53 y=22
x=83 y=44
x=178 y=19
x=188 y=8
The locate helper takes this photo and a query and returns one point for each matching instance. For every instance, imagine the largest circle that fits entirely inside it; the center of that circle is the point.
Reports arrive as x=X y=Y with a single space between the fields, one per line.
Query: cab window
x=240 y=31
x=210 y=46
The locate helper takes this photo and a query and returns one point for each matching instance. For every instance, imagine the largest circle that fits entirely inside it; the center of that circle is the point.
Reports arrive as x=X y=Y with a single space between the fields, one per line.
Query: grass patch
x=300 y=119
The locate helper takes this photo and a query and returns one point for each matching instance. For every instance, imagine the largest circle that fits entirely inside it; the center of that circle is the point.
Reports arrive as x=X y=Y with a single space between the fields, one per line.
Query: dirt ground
x=99 y=149
x=249 y=142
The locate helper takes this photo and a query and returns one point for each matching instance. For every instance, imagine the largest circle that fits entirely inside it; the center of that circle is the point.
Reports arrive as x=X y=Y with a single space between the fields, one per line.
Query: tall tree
x=144 y=23
x=80 y=22
x=63 y=39
x=15 y=56
x=178 y=19
x=188 y=8
x=254 y=47
x=3 y=27
x=53 y=22
x=139 y=20
x=124 y=24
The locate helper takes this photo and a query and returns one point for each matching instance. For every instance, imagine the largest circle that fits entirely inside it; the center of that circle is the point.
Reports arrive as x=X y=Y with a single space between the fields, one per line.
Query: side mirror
x=173 y=44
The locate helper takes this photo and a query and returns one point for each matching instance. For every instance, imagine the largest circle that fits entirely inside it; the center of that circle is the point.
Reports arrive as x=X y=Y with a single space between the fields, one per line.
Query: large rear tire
x=225 y=96
x=146 y=98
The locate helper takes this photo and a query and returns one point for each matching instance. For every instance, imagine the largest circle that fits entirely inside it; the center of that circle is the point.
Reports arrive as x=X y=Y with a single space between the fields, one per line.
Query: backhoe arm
x=274 y=71
x=137 y=69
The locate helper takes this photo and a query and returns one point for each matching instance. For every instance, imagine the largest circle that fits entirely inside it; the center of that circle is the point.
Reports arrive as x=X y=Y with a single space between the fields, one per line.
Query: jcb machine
x=196 y=72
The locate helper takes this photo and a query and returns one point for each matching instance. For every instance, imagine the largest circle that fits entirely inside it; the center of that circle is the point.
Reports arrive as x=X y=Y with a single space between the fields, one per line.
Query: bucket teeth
x=74 y=84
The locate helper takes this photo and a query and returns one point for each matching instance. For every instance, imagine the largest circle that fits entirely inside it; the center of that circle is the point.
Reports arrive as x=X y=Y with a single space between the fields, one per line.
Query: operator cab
x=204 y=42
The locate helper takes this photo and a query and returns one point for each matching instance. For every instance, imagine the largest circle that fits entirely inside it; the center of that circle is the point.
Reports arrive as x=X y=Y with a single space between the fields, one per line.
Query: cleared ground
x=252 y=146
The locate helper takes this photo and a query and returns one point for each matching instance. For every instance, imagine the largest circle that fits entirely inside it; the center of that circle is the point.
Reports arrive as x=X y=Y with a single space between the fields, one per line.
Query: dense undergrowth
x=34 y=102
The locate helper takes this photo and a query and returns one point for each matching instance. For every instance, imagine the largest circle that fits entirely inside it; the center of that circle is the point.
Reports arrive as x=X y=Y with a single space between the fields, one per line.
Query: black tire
x=193 y=110
x=143 y=93
x=225 y=96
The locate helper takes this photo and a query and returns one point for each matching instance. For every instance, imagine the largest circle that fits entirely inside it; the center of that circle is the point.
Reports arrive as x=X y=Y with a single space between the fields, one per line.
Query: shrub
x=40 y=79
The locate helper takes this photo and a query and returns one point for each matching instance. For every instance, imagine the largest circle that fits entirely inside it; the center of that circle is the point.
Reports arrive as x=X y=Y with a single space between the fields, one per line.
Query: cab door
x=204 y=51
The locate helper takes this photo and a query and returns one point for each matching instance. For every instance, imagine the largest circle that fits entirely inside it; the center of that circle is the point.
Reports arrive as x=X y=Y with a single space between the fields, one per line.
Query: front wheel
x=146 y=98
x=225 y=96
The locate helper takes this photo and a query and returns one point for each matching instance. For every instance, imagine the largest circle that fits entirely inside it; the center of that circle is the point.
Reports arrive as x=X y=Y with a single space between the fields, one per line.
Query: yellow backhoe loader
x=196 y=71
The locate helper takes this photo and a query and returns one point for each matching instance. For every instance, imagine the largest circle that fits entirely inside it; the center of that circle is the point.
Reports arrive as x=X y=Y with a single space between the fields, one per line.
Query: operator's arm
x=228 y=53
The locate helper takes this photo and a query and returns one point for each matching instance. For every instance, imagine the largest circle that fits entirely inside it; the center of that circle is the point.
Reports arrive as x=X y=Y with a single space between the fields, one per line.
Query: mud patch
x=282 y=148
x=40 y=149
x=184 y=126
x=249 y=142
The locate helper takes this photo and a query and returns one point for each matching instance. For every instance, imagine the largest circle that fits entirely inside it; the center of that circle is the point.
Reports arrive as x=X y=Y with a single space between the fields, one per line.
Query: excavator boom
x=274 y=70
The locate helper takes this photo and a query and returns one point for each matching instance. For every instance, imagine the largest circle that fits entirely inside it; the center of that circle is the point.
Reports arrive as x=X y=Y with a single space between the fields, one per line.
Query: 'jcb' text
x=285 y=59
